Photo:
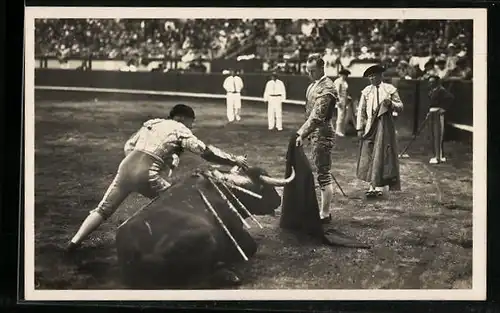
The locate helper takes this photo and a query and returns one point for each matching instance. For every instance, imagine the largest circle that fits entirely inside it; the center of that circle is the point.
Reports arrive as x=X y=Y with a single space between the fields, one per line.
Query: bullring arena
x=419 y=237
x=97 y=80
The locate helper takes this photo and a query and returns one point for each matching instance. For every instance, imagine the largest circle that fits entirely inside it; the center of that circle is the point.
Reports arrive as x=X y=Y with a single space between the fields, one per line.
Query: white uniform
x=274 y=95
x=233 y=86
x=341 y=87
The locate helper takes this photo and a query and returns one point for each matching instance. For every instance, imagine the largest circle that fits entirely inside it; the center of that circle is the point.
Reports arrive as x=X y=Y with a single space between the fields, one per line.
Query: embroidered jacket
x=164 y=139
x=320 y=105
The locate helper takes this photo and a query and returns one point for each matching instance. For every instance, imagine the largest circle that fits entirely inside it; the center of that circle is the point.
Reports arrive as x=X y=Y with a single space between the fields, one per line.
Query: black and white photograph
x=255 y=154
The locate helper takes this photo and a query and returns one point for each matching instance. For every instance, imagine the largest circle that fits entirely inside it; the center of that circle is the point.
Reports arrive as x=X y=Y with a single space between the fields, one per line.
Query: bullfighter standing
x=319 y=129
x=341 y=87
x=148 y=152
x=378 y=161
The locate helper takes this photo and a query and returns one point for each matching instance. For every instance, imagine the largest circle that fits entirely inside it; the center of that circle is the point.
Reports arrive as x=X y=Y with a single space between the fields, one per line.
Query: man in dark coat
x=440 y=101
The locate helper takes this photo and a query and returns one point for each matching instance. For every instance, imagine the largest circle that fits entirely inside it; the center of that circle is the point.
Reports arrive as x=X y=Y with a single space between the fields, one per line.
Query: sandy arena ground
x=421 y=236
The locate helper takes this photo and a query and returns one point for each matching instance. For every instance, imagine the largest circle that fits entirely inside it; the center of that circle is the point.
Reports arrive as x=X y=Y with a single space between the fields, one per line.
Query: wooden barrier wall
x=413 y=93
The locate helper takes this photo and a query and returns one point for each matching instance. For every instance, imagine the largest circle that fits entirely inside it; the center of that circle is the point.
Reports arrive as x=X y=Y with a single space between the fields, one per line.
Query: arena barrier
x=202 y=85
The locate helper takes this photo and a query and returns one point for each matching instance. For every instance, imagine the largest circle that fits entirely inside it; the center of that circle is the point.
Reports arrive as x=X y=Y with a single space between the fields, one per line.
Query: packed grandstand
x=410 y=49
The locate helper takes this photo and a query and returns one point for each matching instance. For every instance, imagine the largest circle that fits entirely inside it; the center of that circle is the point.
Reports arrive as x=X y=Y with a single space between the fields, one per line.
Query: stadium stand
x=410 y=49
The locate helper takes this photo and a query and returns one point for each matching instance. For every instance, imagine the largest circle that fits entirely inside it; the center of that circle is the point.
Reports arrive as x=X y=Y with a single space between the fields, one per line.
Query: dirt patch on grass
x=421 y=236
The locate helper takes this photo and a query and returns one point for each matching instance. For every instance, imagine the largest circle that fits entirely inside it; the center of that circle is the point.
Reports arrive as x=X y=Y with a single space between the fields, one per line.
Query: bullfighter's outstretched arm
x=319 y=115
x=208 y=152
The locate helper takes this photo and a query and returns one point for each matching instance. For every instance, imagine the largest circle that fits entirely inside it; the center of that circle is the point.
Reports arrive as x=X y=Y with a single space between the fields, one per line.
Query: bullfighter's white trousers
x=344 y=115
x=275 y=113
x=233 y=104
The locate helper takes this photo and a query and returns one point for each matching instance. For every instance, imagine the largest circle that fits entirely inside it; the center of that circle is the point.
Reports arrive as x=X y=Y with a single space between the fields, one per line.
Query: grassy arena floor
x=417 y=242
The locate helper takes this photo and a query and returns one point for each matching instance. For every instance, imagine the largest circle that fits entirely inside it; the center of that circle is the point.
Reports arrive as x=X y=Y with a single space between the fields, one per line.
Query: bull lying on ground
x=176 y=240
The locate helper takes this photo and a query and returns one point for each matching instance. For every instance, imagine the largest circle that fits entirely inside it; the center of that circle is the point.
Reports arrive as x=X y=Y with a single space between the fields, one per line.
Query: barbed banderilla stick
x=231 y=206
x=241 y=205
x=219 y=220
x=246 y=191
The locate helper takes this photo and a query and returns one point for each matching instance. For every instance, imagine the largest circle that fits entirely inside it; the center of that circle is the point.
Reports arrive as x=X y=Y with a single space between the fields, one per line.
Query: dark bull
x=176 y=240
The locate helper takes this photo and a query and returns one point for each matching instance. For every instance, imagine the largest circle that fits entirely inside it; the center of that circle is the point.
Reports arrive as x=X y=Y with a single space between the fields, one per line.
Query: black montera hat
x=375 y=69
x=345 y=72
x=182 y=110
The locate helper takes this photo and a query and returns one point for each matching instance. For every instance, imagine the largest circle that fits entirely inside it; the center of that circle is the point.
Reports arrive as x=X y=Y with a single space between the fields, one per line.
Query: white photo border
x=479 y=17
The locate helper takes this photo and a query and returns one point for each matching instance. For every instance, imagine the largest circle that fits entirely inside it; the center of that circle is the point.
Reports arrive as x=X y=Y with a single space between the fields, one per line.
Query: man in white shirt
x=233 y=85
x=274 y=95
x=377 y=160
x=341 y=87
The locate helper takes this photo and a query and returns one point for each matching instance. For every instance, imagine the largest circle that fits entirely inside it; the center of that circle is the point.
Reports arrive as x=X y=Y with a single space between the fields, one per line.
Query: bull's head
x=257 y=181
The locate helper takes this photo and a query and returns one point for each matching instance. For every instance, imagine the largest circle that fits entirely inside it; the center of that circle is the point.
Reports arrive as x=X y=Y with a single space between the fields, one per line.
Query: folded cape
x=300 y=209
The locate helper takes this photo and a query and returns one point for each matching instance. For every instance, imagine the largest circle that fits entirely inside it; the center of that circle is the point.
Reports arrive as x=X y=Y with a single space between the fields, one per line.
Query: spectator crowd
x=130 y=38
x=409 y=49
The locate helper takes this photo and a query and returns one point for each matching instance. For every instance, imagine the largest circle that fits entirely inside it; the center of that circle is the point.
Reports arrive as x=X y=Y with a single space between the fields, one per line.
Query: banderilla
x=241 y=205
x=231 y=206
x=221 y=223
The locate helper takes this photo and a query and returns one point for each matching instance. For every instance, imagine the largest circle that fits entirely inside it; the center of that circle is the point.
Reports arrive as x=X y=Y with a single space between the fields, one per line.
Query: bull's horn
x=278 y=181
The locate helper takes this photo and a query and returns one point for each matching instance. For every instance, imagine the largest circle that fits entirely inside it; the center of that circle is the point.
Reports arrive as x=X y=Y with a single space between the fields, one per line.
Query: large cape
x=300 y=209
x=378 y=161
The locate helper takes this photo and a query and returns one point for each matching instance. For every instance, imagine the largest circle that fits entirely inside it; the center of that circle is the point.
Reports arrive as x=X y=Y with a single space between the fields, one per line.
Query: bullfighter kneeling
x=319 y=129
x=378 y=159
x=147 y=153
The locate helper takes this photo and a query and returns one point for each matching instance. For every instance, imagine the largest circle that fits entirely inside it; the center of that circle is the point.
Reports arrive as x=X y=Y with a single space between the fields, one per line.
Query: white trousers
x=275 y=113
x=233 y=104
x=344 y=116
